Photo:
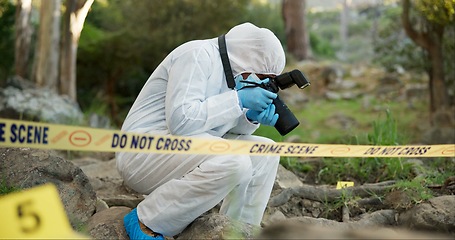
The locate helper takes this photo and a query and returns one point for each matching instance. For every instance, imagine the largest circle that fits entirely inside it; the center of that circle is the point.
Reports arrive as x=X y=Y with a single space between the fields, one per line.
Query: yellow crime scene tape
x=15 y=133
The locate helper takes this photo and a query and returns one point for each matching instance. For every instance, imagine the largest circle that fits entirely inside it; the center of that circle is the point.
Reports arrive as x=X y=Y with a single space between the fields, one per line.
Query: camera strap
x=225 y=60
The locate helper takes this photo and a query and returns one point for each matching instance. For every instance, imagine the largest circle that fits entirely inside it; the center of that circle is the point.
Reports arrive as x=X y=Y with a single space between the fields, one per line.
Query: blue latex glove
x=266 y=117
x=251 y=80
x=256 y=98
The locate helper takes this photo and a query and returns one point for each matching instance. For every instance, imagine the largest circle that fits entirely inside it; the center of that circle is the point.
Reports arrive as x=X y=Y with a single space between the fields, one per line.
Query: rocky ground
x=96 y=201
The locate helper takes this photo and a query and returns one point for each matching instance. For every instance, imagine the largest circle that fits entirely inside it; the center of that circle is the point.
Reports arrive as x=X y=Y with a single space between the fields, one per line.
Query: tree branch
x=419 y=38
x=328 y=194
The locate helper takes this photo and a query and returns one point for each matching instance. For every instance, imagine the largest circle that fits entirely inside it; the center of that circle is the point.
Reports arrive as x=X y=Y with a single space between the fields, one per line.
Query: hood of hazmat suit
x=253 y=49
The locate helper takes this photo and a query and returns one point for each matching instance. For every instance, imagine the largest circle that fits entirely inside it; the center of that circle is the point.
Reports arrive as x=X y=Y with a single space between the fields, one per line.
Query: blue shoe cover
x=131 y=222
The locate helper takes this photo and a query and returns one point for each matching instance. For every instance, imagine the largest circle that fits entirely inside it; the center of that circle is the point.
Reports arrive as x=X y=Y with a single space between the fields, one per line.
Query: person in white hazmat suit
x=187 y=95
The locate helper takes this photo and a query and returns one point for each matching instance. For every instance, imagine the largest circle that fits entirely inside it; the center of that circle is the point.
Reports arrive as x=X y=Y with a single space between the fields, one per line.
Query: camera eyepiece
x=288 y=79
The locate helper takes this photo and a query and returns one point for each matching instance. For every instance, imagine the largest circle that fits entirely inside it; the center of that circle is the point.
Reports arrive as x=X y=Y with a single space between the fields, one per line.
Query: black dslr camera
x=286 y=121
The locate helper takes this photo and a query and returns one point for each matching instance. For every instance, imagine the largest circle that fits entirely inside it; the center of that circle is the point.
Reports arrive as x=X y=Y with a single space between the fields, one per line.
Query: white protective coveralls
x=187 y=95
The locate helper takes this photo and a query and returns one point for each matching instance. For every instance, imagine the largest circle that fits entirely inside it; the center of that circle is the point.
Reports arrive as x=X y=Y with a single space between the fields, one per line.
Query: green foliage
x=96 y=106
x=324 y=31
x=370 y=129
x=5 y=188
x=414 y=189
x=7 y=11
x=384 y=132
x=440 y=12
x=370 y=169
x=392 y=47
x=160 y=26
x=321 y=47
x=325 y=36
x=124 y=40
x=438 y=170
x=266 y=14
x=104 y=58
x=294 y=164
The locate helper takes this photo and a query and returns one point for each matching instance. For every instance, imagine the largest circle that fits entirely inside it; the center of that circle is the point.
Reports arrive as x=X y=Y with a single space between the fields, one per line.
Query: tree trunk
x=374 y=28
x=23 y=37
x=439 y=95
x=431 y=41
x=344 y=23
x=298 y=43
x=110 y=94
x=47 y=54
x=76 y=12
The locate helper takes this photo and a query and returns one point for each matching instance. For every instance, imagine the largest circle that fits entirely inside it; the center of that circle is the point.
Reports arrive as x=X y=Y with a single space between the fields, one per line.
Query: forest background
x=101 y=52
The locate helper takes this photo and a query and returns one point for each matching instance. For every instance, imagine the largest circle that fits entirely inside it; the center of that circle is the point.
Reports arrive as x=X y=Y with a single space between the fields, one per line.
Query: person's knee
x=238 y=168
x=273 y=159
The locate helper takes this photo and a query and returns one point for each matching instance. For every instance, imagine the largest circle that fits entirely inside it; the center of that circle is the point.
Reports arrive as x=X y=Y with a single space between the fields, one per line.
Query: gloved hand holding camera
x=266 y=117
x=286 y=121
x=252 y=97
x=255 y=98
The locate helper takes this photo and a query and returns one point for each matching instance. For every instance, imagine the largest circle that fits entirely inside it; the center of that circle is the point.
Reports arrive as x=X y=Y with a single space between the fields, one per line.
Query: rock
x=400 y=200
x=333 y=96
x=218 y=226
x=20 y=83
x=442 y=130
x=294 y=96
x=375 y=219
x=39 y=104
x=415 y=93
x=339 y=95
x=341 y=121
x=449 y=184
x=389 y=87
x=107 y=182
x=293 y=139
x=438 y=214
x=331 y=74
x=357 y=70
x=287 y=179
x=108 y=224
x=99 y=121
x=369 y=226
x=439 y=135
x=101 y=205
x=343 y=84
x=416 y=166
x=80 y=162
x=390 y=79
x=26 y=168
x=101 y=170
x=444 y=117
x=293 y=229
x=272 y=218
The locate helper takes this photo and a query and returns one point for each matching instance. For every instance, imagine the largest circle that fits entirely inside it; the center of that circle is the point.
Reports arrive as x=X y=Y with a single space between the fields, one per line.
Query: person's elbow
x=175 y=124
x=184 y=122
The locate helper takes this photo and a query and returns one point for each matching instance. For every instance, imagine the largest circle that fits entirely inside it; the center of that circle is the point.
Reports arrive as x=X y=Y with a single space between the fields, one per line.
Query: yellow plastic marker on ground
x=343 y=184
x=35 y=213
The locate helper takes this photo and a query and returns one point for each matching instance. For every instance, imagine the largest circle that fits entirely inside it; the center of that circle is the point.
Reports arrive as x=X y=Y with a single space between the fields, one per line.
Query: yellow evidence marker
x=35 y=213
x=342 y=184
